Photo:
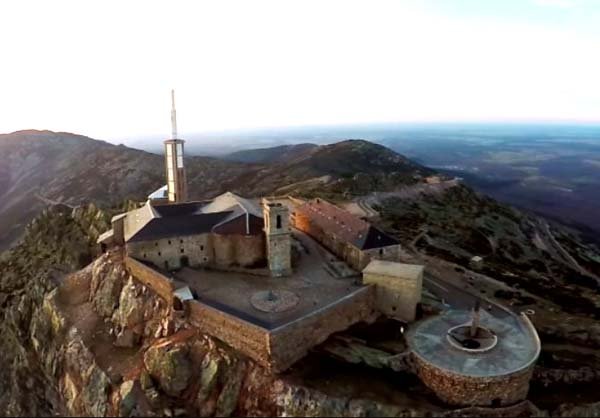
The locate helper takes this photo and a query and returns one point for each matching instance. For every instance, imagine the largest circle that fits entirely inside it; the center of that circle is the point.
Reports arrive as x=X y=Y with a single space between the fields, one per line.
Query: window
x=202 y=248
x=181 y=251
x=381 y=251
x=278 y=221
x=181 y=241
x=159 y=254
x=156 y=244
x=169 y=242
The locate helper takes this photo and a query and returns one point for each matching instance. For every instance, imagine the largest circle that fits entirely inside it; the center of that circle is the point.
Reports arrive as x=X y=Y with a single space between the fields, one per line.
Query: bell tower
x=175 y=169
x=278 y=237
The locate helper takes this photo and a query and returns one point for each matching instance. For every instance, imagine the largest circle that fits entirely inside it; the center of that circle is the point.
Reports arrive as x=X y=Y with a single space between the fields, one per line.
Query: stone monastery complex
x=275 y=277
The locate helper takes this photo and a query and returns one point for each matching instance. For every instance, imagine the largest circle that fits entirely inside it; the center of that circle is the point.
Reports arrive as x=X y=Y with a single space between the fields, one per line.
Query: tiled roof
x=344 y=225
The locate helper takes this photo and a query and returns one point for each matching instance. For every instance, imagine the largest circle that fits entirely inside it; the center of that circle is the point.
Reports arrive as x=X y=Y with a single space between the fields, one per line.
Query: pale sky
x=105 y=68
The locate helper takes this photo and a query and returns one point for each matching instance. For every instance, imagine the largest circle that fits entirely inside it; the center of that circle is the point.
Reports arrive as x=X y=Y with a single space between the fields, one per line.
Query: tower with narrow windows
x=175 y=169
x=278 y=238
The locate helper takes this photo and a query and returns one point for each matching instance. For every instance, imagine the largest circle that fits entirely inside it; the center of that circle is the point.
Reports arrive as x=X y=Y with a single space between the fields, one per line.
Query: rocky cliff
x=95 y=341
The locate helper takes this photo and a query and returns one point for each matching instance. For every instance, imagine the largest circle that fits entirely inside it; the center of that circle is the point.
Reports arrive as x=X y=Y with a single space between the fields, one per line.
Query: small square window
x=181 y=251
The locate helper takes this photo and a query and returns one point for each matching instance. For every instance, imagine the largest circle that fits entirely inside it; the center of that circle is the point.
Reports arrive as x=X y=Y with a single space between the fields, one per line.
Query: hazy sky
x=105 y=68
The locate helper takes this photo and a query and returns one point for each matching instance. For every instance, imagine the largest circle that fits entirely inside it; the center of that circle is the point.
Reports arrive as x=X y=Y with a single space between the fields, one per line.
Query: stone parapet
x=161 y=284
x=292 y=341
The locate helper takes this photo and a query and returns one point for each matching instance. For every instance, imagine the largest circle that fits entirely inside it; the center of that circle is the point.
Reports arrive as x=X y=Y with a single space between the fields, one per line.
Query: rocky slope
x=95 y=341
x=40 y=167
x=277 y=154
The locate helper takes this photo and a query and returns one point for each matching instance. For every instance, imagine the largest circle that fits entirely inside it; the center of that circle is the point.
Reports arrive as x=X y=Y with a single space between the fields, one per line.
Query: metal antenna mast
x=173 y=116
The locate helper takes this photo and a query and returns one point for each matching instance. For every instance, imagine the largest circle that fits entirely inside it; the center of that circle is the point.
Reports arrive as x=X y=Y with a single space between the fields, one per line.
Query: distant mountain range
x=41 y=167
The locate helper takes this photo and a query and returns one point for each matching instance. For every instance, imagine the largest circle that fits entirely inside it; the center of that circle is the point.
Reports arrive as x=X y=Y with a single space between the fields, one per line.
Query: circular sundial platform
x=274 y=301
x=462 y=338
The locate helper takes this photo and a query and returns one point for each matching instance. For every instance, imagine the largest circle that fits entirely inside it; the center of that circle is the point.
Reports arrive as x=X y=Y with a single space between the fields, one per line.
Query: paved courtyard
x=313 y=283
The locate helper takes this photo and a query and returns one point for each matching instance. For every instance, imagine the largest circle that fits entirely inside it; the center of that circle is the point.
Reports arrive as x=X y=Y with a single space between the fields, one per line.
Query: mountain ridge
x=40 y=166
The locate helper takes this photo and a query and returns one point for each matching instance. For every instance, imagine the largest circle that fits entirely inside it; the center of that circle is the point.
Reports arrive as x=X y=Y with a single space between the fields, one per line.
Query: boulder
x=128 y=398
x=170 y=366
x=126 y=338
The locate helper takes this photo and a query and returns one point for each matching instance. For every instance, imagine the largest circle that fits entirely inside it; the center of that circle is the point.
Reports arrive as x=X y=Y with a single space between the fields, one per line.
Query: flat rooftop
x=312 y=281
x=517 y=347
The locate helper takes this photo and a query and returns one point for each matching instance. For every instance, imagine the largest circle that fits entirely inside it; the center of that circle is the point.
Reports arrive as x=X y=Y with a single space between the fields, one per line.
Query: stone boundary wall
x=245 y=337
x=161 y=284
x=531 y=328
x=275 y=349
x=292 y=341
x=457 y=389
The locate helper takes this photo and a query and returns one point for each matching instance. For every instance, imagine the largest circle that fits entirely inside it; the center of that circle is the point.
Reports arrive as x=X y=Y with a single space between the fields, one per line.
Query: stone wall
x=279 y=249
x=248 y=338
x=200 y=250
x=290 y=342
x=389 y=253
x=456 y=389
x=249 y=249
x=171 y=253
x=396 y=296
x=150 y=277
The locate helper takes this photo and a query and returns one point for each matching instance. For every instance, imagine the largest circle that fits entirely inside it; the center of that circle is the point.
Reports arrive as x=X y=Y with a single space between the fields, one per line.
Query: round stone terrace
x=516 y=347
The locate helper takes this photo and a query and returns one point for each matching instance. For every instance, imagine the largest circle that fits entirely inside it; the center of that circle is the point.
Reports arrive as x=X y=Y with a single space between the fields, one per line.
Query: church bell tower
x=176 y=181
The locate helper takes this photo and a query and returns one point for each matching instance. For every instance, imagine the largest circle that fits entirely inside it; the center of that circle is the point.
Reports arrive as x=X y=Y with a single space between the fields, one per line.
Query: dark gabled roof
x=174 y=226
x=375 y=238
x=179 y=209
x=238 y=226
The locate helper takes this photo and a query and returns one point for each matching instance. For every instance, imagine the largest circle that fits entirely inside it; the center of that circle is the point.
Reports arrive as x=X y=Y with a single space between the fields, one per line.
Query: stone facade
x=292 y=341
x=249 y=339
x=200 y=250
x=456 y=389
x=278 y=238
x=398 y=288
x=389 y=253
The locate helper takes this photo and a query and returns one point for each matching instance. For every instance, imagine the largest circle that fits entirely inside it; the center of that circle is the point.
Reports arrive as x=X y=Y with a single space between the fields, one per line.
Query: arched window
x=278 y=221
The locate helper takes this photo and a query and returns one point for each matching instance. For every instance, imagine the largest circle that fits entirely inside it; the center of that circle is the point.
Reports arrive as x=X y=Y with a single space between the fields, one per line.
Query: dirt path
x=363 y=206
x=564 y=253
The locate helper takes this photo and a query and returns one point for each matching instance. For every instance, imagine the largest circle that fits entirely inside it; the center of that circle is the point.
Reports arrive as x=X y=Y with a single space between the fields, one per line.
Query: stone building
x=278 y=237
x=398 y=288
x=224 y=232
x=228 y=231
x=349 y=237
